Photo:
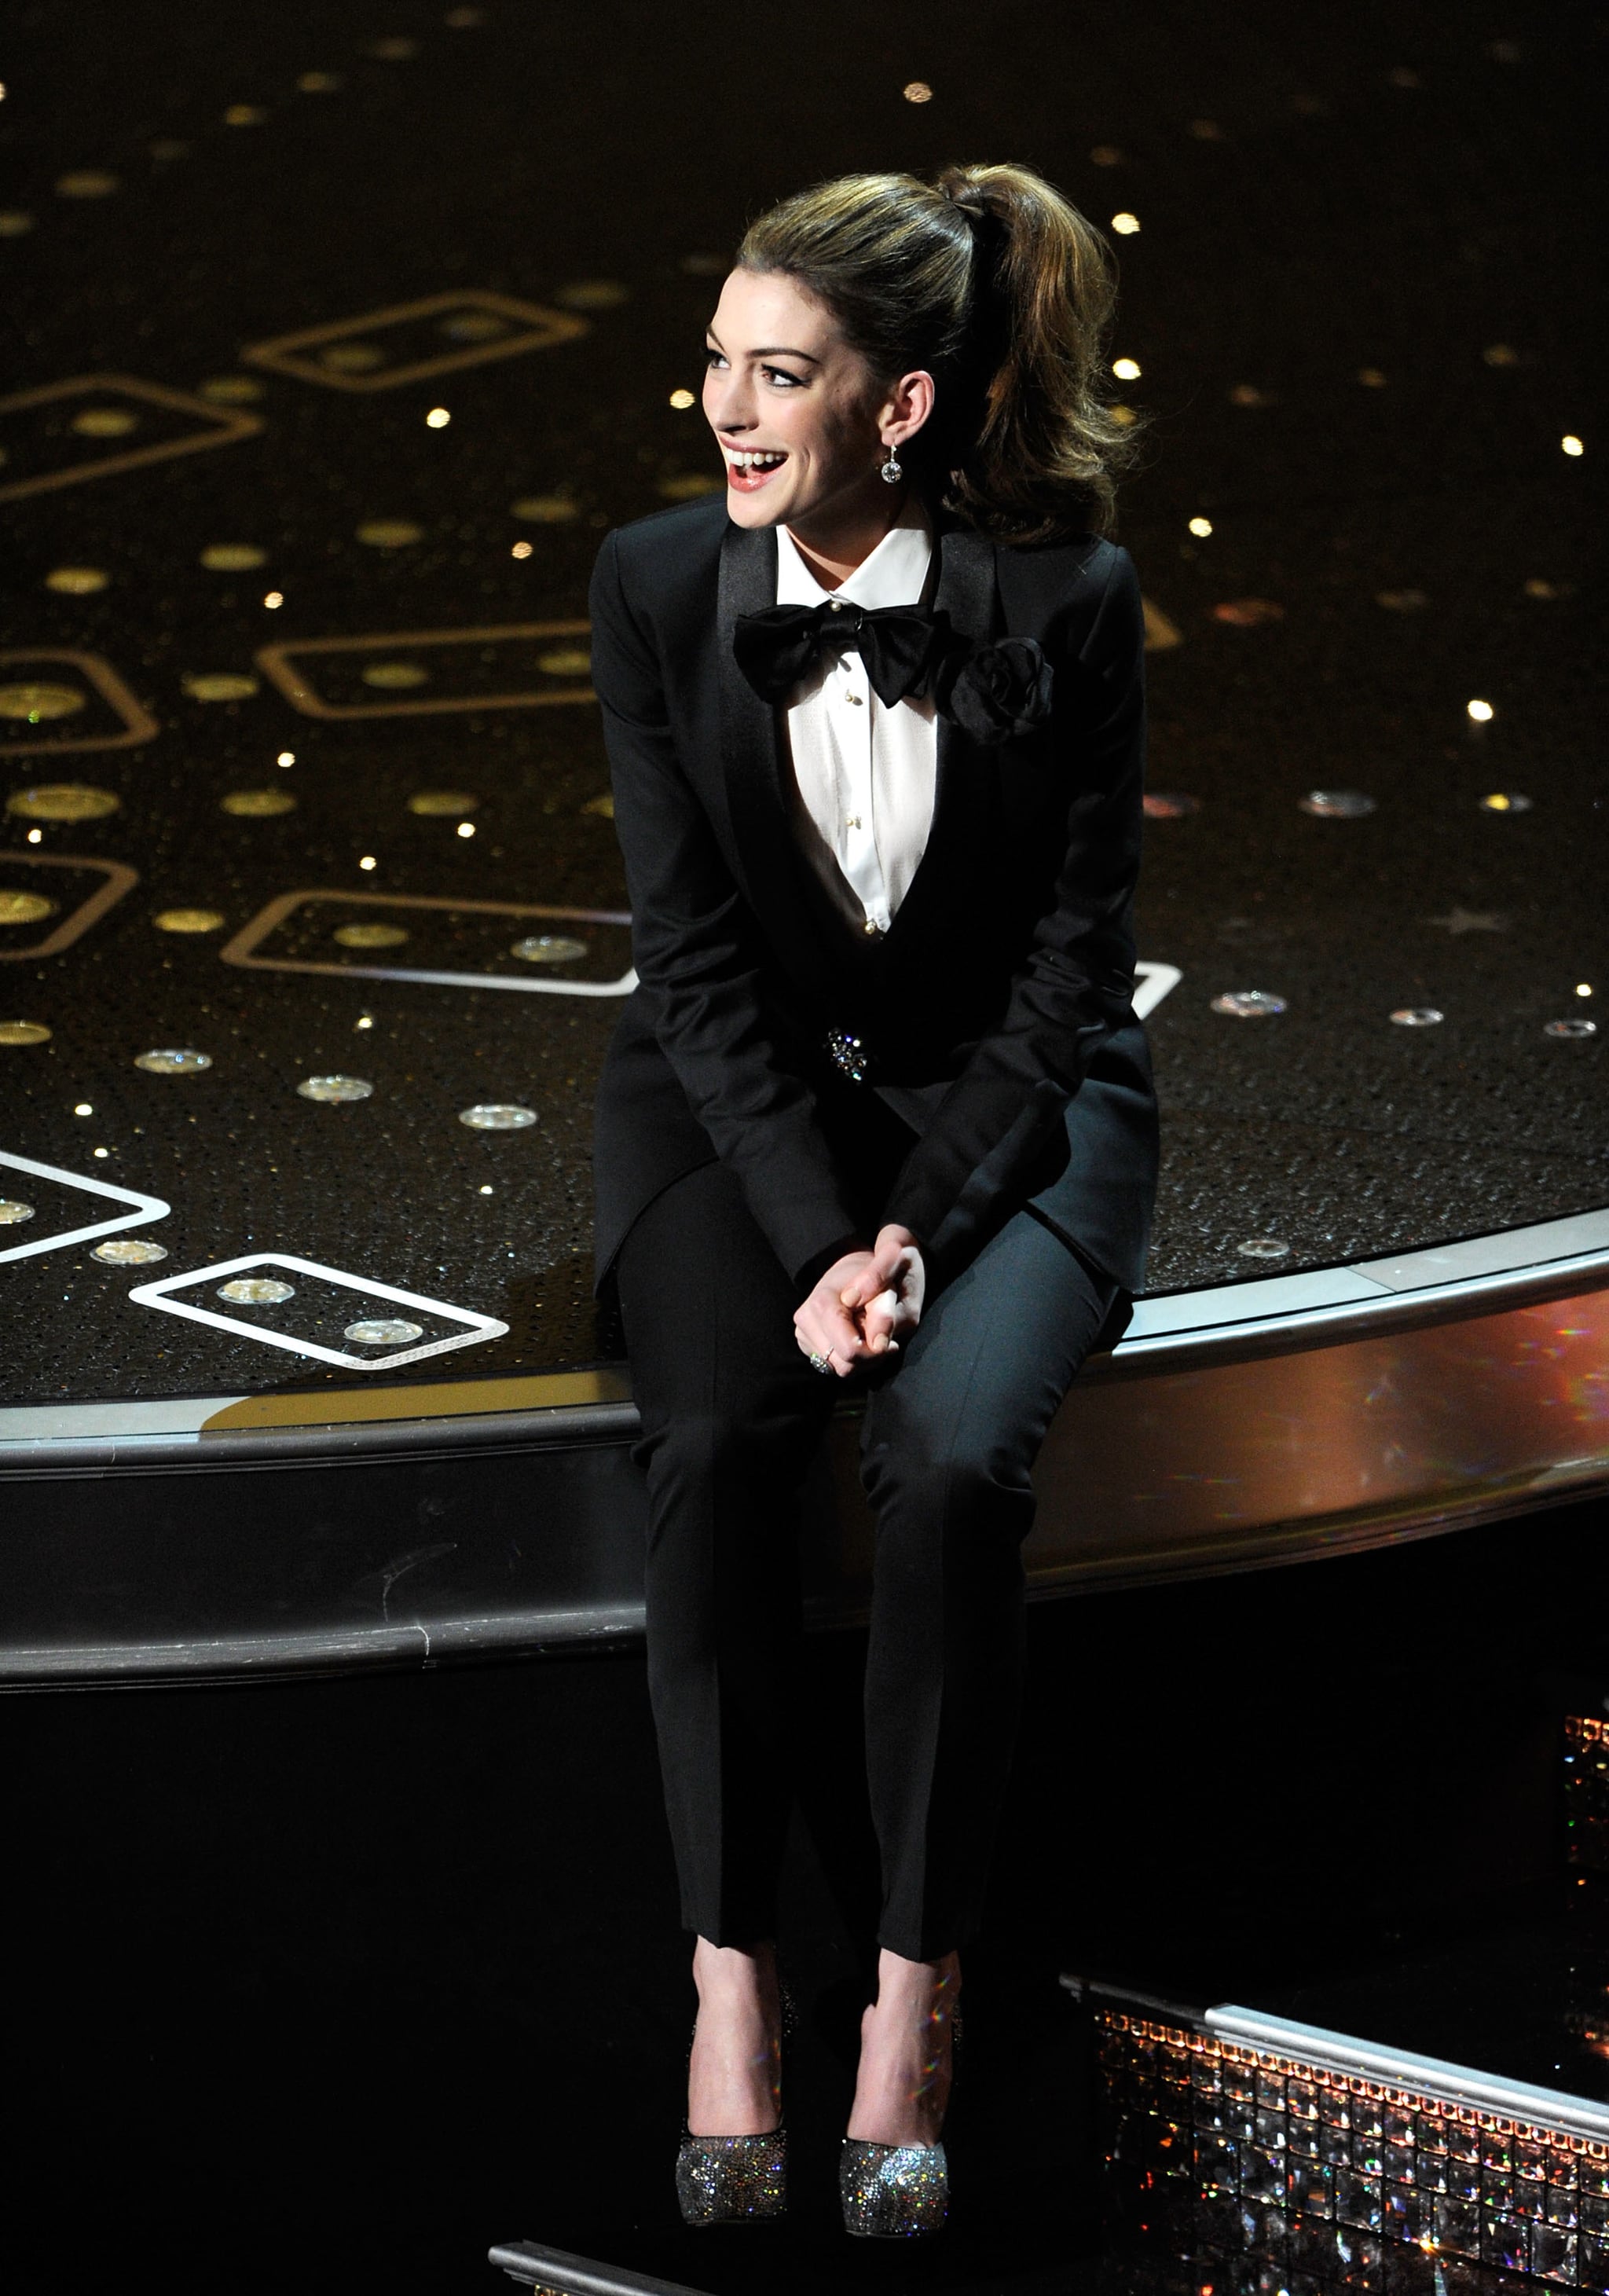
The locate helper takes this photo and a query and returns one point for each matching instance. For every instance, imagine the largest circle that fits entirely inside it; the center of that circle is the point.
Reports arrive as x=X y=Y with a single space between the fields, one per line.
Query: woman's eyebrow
x=768 y=350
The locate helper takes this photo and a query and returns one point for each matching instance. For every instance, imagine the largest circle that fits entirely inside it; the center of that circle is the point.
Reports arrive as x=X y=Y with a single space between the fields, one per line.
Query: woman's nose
x=728 y=403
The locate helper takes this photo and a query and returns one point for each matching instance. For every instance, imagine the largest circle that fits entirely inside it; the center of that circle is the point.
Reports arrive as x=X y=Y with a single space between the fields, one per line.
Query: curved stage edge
x=1235 y=1427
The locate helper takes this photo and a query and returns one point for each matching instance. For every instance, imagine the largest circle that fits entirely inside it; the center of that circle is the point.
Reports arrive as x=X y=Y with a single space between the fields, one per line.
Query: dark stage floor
x=331 y=1985
x=1364 y=323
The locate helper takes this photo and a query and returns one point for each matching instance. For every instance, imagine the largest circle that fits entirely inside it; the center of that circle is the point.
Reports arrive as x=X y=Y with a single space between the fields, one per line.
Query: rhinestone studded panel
x=1260 y=2160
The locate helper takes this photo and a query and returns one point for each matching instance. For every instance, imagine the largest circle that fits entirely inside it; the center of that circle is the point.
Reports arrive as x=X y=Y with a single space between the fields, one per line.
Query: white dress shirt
x=862 y=776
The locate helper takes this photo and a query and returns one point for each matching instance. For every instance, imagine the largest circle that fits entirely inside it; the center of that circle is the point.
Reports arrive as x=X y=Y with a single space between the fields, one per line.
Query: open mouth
x=748 y=468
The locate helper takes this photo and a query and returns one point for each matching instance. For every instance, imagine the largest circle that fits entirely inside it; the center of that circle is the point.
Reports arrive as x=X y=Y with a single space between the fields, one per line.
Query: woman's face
x=800 y=419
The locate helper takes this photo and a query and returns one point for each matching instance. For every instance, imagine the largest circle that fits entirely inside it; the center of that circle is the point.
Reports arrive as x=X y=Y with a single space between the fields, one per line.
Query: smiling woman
x=880 y=1109
x=798 y=416
x=964 y=320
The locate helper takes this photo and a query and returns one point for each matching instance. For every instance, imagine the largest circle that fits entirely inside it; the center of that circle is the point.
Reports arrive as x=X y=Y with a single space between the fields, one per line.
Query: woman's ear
x=906 y=408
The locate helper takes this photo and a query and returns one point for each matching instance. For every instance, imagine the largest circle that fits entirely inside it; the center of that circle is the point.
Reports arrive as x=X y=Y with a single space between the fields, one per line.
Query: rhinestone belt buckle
x=848 y=1053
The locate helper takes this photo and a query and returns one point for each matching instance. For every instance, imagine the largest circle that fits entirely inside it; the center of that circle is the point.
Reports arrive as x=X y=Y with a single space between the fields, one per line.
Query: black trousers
x=730 y=1416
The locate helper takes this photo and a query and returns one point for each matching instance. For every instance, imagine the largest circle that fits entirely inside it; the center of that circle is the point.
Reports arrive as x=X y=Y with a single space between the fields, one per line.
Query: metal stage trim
x=554 y=2272
x=1345 y=2052
x=1347 y=2056
x=1268 y=1422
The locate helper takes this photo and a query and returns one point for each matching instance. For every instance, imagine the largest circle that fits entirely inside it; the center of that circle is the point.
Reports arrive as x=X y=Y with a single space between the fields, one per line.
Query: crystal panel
x=1273 y=2173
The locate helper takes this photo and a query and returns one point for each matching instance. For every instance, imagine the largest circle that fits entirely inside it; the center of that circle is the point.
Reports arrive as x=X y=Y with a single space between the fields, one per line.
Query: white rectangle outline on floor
x=145 y=1208
x=1152 y=983
x=243 y=949
x=155 y=1295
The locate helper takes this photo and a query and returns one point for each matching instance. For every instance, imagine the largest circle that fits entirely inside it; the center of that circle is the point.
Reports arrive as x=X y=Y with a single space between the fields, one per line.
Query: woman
x=880 y=1111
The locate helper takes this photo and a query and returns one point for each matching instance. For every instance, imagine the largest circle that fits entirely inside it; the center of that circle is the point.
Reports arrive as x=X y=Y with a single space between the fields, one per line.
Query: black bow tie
x=900 y=646
x=990 y=691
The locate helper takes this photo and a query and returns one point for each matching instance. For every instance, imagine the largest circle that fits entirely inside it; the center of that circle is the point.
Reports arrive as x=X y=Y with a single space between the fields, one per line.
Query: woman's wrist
x=808 y=1276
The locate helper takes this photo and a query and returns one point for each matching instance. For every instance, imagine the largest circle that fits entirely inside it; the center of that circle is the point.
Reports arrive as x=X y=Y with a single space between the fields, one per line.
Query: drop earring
x=891 y=471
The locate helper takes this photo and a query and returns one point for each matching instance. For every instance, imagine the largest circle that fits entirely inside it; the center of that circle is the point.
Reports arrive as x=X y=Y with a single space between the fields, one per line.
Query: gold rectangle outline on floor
x=138 y=724
x=278 y=665
x=242 y=950
x=119 y=879
x=550 y=327
x=224 y=428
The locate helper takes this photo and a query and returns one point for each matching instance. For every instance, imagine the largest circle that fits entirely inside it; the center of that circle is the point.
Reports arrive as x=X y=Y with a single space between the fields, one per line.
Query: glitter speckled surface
x=893 y=2192
x=730 y=2179
x=177 y=192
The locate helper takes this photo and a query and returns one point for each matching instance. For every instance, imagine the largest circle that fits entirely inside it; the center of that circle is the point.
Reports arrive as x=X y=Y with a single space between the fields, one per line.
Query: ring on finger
x=820 y=1363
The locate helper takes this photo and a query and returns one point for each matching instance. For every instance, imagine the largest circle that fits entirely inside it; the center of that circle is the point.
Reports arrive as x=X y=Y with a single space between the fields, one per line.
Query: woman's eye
x=713 y=358
x=781 y=375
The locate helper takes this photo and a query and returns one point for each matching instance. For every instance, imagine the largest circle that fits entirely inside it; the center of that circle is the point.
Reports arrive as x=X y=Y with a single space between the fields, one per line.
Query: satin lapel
x=968 y=593
x=753 y=752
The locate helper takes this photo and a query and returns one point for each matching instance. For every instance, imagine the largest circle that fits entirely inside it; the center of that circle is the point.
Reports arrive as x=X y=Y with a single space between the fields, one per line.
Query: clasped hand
x=865 y=1304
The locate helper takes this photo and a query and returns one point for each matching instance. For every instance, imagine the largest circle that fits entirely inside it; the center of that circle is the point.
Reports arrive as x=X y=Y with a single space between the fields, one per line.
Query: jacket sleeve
x=992 y=1130
x=699 y=954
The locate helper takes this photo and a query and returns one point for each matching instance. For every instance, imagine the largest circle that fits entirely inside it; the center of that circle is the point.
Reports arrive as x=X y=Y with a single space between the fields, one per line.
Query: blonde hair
x=998 y=286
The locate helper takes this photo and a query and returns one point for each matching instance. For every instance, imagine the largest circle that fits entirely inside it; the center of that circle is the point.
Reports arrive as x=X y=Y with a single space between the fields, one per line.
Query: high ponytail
x=997 y=286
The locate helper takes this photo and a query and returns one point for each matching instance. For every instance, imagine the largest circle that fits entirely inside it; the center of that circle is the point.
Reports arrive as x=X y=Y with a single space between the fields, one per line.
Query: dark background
x=337 y=1983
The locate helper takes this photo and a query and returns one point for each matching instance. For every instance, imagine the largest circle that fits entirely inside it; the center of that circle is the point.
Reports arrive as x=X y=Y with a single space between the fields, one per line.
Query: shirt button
x=871 y=928
x=851 y=821
x=855 y=698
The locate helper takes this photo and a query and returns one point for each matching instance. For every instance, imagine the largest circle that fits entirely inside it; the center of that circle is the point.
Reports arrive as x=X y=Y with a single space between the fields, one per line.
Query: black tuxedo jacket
x=996 y=1012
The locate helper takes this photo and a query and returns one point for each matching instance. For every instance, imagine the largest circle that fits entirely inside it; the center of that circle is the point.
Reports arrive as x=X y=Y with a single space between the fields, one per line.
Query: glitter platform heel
x=735 y=2179
x=892 y=2191
x=897 y=2192
x=731 y=2179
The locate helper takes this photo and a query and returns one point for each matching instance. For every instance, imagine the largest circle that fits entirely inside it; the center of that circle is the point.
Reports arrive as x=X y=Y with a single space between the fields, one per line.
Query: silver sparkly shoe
x=733 y=2179
x=892 y=2191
